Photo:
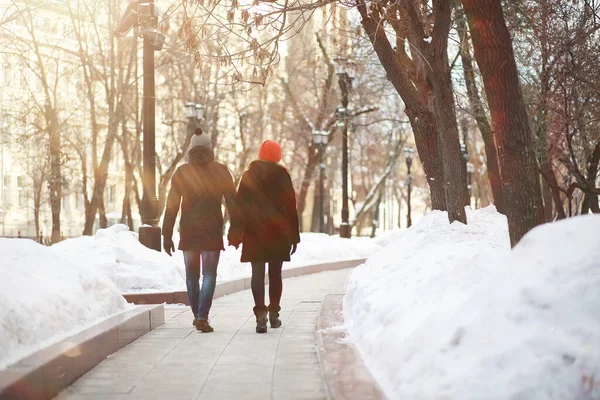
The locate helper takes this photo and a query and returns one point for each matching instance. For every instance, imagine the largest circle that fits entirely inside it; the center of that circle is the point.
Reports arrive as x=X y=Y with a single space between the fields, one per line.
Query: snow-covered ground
x=44 y=297
x=448 y=311
x=117 y=253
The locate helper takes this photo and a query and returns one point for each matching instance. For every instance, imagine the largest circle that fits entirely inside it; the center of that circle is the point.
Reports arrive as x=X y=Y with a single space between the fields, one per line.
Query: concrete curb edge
x=45 y=373
x=225 y=288
x=344 y=373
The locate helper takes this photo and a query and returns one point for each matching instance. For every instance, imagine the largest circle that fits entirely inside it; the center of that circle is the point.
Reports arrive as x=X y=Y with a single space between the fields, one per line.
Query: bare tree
x=478 y=111
x=50 y=68
x=101 y=60
x=514 y=139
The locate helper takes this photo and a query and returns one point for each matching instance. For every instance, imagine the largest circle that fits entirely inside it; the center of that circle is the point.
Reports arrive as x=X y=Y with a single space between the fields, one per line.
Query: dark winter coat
x=199 y=187
x=267 y=216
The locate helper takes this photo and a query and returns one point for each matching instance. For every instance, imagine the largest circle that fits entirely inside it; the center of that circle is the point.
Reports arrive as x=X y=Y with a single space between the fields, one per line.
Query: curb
x=342 y=368
x=45 y=373
x=225 y=288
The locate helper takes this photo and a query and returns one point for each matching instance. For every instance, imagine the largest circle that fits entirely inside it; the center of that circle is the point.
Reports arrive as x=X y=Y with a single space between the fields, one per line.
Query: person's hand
x=168 y=245
x=294 y=248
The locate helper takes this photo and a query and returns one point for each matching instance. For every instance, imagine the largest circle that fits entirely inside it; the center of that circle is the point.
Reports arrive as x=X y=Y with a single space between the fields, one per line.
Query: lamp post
x=143 y=14
x=320 y=139
x=345 y=72
x=470 y=170
x=408 y=155
x=195 y=114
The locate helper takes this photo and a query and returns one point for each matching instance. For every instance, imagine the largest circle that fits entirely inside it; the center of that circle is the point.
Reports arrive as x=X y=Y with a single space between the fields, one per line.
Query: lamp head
x=190 y=109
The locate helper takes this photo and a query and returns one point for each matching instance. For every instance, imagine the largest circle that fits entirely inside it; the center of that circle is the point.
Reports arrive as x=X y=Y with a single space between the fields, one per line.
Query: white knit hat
x=200 y=139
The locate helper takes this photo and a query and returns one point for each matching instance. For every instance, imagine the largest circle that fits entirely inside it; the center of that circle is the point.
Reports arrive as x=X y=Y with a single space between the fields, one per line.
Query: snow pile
x=118 y=253
x=44 y=298
x=314 y=248
x=449 y=312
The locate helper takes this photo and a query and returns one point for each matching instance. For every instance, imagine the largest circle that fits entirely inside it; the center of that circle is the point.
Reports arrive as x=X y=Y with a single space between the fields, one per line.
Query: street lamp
x=408 y=155
x=345 y=69
x=143 y=14
x=194 y=111
x=320 y=139
x=470 y=170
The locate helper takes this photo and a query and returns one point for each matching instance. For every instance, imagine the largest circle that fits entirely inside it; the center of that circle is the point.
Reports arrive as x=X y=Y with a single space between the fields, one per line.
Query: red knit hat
x=270 y=151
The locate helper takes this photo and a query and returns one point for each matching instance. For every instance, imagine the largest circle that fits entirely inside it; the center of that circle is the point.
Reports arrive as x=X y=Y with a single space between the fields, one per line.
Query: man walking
x=199 y=186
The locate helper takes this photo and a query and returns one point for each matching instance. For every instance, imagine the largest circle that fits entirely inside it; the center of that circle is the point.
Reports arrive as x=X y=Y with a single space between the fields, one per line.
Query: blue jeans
x=201 y=300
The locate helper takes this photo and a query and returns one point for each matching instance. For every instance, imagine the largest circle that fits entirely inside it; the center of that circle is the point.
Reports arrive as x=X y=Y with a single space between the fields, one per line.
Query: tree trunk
x=464 y=160
x=421 y=118
x=585 y=204
x=478 y=110
x=36 y=219
x=547 y=196
x=100 y=178
x=550 y=178
x=591 y=179
x=455 y=182
x=55 y=171
x=315 y=220
x=313 y=161
x=375 y=221
x=103 y=222
x=514 y=140
x=594 y=206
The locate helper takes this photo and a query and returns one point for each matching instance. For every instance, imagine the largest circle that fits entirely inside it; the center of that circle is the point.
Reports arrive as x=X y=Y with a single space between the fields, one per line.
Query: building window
x=22 y=195
x=22 y=198
x=7 y=191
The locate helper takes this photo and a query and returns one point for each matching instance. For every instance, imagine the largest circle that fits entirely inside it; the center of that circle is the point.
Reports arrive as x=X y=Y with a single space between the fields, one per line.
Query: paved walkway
x=177 y=362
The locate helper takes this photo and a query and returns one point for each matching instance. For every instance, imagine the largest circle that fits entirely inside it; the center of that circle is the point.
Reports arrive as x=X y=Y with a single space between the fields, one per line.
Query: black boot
x=261 y=319
x=274 y=316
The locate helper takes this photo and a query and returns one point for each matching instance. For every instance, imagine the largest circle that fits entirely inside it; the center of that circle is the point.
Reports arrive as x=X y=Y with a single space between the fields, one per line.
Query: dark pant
x=275 y=284
x=201 y=299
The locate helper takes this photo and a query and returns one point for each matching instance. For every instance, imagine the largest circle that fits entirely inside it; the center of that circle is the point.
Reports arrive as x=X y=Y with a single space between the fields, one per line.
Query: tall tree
x=423 y=82
x=478 y=111
x=514 y=140
x=50 y=70
x=101 y=60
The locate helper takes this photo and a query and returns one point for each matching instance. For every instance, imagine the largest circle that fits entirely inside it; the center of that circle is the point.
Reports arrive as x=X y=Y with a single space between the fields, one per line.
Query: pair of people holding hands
x=263 y=219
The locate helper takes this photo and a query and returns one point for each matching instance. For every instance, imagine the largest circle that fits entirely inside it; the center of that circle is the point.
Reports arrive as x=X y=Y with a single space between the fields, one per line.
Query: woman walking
x=267 y=226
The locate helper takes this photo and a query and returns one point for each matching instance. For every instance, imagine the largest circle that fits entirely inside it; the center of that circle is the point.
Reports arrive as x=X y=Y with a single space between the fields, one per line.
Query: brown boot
x=274 y=316
x=202 y=325
x=261 y=319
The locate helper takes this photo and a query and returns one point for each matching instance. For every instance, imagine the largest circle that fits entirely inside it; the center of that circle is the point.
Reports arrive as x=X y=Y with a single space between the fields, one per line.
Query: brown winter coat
x=199 y=186
x=267 y=218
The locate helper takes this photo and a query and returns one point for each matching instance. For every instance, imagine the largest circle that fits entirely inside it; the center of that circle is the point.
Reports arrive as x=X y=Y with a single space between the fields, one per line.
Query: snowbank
x=117 y=253
x=449 y=312
x=44 y=298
